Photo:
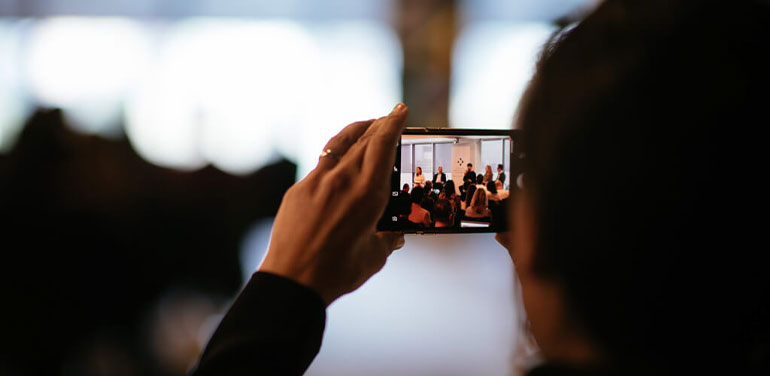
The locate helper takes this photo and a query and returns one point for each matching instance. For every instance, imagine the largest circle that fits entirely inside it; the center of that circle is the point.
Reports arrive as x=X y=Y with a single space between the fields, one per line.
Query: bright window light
x=492 y=65
x=361 y=64
x=239 y=93
x=12 y=108
x=86 y=65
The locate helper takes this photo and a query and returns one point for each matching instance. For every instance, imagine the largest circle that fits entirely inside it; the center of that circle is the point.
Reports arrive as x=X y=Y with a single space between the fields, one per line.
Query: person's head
x=470 y=166
x=632 y=236
x=449 y=188
x=469 y=194
x=405 y=188
x=488 y=169
x=404 y=204
x=479 y=179
x=491 y=187
x=498 y=185
x=479 y=201
x=440 y=170
x=442 y=213
x=419 y=171
x=428 y=187
x=417 y=194
x=499 y=168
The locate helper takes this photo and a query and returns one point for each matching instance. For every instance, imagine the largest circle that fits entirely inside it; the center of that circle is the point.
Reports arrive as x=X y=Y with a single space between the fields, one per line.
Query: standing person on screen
x=419 y=178
x=500 y=174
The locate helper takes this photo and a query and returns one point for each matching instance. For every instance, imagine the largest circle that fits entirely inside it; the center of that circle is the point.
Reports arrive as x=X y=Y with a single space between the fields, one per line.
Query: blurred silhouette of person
x=419 y=178
x=619 y=275
x=405 y=188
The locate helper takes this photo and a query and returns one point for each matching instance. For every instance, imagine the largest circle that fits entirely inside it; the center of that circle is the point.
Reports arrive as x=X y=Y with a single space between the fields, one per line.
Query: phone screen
x=452 y=181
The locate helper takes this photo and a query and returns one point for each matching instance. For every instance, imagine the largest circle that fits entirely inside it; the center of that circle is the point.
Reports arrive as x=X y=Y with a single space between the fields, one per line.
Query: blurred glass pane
x=444 y=159
x=423 y=158
x=12 y=106
x=492 y=64
x=491 y=154
x=86 y=66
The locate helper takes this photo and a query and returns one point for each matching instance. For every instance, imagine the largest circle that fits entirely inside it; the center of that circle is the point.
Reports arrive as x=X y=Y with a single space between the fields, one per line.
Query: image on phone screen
x=448 y=180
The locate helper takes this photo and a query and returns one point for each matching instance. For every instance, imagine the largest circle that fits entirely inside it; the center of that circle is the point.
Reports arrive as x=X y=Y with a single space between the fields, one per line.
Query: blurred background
x=145 y=146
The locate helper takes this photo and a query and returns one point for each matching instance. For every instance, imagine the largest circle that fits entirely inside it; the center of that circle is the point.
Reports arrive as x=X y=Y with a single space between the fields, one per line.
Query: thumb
x=392 y=240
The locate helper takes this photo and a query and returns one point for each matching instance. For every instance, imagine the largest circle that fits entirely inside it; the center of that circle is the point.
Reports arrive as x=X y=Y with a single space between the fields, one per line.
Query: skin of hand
x=325 y=235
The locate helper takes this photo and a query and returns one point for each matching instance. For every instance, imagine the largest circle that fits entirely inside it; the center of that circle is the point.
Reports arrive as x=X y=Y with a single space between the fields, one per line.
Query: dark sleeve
x=274 y=327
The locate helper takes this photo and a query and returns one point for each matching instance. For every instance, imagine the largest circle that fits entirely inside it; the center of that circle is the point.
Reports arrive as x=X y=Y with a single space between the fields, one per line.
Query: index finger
x=380 y=151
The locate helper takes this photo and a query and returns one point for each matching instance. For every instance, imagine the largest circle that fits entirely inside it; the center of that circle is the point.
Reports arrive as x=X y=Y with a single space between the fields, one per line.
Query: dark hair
x=428 y=186
x=449 y=188
x=442 y=210
x=641 y=162
x=417 y=193
x=469 y=195
x=479 y=179
x=470 y=165
x=500 y=166
x=405 y=187
x=491 y=187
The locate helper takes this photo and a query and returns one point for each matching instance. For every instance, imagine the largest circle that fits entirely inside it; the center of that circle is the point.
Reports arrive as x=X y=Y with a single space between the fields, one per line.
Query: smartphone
x=448 y=180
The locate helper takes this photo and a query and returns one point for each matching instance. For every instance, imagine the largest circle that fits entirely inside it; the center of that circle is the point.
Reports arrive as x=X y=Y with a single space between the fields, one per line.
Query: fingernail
x=399 y=108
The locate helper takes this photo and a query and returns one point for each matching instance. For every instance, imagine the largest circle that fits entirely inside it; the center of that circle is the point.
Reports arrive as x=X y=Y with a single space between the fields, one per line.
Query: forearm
x=275 y=326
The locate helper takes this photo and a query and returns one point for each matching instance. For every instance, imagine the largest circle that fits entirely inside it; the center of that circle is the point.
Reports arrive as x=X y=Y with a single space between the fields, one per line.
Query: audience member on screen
x=405 y=188
x=492 y=192
x=419 y=178
x=468 y=197
x=502 y=194
x=443 y=213
x=429 y=190
x=419 y=215
x=479 y=207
